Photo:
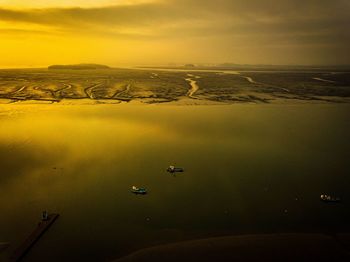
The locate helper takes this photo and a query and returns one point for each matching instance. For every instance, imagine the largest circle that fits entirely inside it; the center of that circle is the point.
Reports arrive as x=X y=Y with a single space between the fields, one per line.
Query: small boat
x=138 y=191
x=173 y=169
x=328 y=198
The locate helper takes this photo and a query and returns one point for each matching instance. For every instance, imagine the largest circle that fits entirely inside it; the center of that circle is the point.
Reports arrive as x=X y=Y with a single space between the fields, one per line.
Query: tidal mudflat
x=249 y=169
x=151 y=86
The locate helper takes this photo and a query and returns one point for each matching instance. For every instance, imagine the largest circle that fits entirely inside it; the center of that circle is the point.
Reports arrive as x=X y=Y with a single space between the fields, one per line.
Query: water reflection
x=244 y=166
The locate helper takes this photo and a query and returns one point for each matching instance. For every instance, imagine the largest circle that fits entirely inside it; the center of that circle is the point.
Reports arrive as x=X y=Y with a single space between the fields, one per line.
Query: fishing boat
x=138 y=191
x=328 y=198
x=173 y=169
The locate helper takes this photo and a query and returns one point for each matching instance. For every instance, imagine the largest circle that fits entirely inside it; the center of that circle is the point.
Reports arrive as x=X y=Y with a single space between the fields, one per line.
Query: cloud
x=113 y=15
x=166 y=17
x=22 y=32
x=223 y=22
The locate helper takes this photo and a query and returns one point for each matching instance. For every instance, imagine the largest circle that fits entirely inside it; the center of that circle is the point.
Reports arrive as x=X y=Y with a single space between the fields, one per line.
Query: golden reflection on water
x=37 y=143
x=82 y=160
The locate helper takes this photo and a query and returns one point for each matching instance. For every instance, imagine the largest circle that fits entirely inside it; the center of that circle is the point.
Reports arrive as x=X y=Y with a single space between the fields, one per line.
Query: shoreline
x=161 y=86
x=259 y=247
x=184 y=101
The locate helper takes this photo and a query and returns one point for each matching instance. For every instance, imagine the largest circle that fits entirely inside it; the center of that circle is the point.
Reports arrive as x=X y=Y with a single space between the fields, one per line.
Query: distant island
x=79 y=67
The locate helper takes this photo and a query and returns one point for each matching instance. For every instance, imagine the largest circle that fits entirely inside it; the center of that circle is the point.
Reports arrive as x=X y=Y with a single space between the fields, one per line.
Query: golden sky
x=37 y=33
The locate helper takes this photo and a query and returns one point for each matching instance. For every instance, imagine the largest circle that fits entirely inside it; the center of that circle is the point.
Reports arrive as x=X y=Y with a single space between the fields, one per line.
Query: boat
x=328 y=198
x=138 y=191
x=173 y=169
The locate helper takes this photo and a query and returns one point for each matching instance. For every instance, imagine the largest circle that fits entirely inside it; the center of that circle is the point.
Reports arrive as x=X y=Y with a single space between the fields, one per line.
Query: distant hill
x=79 y=67
x=234 y=66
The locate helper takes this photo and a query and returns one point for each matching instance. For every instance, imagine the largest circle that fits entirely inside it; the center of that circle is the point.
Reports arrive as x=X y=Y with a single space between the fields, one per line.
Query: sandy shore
x=274 y=247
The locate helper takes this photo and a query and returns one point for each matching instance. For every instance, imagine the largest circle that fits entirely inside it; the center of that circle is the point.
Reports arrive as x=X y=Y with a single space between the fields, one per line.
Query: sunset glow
x=134 y=32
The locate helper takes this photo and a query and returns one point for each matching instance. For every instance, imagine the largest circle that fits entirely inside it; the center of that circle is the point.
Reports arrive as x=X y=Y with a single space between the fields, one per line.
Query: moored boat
x=329 y=198
x=173 y=169
x=138 y=191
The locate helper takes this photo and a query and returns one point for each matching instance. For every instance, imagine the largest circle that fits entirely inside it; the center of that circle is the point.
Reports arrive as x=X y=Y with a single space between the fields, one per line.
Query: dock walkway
x=33 y=237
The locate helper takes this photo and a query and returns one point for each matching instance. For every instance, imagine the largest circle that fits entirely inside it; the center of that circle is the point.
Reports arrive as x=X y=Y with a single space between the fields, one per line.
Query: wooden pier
x=33 y=237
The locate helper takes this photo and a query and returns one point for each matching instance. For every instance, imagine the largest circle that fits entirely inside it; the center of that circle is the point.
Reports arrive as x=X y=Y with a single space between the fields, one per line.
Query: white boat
x=138 y=191
x=173 y=169
x=328 y=198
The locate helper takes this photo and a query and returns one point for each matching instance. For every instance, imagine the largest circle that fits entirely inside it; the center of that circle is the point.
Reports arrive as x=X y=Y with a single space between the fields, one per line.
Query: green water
x=248 y=169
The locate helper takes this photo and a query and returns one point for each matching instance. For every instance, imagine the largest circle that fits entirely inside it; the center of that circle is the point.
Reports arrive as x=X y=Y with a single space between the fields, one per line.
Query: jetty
x=33 y=237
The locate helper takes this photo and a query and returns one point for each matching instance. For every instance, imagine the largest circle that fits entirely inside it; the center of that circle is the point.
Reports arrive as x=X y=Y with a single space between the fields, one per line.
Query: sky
x=35 y=33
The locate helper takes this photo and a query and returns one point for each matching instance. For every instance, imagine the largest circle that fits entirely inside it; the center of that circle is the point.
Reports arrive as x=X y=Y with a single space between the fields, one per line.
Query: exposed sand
x=152 y=86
